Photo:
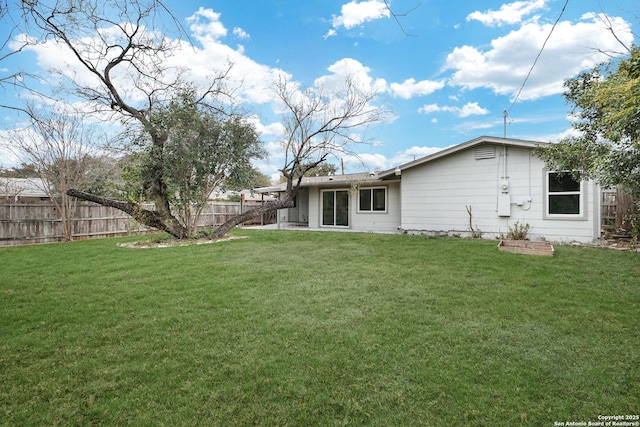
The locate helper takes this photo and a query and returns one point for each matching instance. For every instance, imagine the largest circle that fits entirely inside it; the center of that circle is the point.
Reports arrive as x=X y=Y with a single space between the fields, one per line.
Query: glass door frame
x=338 y=203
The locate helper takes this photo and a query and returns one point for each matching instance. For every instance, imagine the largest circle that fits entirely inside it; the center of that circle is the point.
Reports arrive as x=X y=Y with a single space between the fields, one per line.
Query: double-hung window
x=564 y=196
x=372 y=199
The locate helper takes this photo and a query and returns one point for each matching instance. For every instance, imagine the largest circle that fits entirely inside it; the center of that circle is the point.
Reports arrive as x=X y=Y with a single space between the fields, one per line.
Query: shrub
x=519 y=231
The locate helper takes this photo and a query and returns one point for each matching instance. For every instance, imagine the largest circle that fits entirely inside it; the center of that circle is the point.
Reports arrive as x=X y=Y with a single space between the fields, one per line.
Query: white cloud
x=365 y=162
x=410 y=88
x=432 y=108
x=473 y=126
x=249 y=81
x=509 y=13
x=412 y=153
x=272 y=129
x=469 y=109
x=8 y=157
x=330 y=33
x=556 y=137
x=356 y=13
x=240 y=33
x=349 y=68
x=205 y=25
x=472 y=109
x=378 y=162
x=503 y=68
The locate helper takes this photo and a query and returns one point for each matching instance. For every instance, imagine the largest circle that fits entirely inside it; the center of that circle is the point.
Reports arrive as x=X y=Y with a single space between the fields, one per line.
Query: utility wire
x=538 y=56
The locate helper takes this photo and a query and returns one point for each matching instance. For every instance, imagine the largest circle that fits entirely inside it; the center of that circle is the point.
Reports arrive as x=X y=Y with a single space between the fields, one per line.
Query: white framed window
x=372 y=199
x=564 y=196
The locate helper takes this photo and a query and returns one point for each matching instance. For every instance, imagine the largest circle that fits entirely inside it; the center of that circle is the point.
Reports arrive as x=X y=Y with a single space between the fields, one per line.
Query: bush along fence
x=39 y=222
x=617 y=210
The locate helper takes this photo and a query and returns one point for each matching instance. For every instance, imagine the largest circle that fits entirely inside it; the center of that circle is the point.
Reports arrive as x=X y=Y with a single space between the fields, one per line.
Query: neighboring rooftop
x=22 y=187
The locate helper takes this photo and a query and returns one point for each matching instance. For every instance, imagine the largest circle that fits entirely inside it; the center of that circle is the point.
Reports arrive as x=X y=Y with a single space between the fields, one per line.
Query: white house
x=488 y=183
x=359 y=202
x=23 y=189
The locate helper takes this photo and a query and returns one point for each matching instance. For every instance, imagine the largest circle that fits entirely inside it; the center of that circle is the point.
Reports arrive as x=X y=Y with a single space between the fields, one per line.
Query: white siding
x=303 y=206
x=314 y=207
x=435 y=196
x=388 y=221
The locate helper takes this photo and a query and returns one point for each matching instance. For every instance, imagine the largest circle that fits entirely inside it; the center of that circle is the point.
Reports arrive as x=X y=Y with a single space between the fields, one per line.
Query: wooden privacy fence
x=617 y=206
x=39 y=222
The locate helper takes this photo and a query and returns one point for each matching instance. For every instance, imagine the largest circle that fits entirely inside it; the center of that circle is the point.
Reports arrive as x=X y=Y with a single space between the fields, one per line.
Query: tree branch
x=397 y=15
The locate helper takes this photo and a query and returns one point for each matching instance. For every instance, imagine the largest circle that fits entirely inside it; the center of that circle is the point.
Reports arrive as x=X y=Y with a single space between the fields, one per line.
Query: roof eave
x=334 y=181
x=463 y=146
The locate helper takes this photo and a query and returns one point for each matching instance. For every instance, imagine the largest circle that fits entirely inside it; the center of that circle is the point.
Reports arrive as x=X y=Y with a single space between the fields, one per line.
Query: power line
x=538 y=56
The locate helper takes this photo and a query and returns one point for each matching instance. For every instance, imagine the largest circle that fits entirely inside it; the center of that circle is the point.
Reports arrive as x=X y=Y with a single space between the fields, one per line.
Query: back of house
x=486 y=186
x=492 y=185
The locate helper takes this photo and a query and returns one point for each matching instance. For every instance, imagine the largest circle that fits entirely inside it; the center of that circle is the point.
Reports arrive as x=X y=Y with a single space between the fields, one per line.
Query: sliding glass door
x=335 y=208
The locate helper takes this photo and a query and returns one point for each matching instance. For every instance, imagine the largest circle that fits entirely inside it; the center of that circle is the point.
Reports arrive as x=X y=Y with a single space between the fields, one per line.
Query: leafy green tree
x=256 y=180
x=104 y=176
x=25 y=170
x=123 y=50
x=606 y=104
x=122 y=66
x=322 y=169
x=203 y=151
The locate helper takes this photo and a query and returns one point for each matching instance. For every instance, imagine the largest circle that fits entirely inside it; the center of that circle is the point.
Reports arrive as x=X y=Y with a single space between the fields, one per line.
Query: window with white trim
x=372 y=199
x=564 y=196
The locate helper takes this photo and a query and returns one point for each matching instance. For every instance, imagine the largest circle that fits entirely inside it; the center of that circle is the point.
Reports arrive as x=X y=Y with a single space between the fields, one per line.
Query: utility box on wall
x=504 y=205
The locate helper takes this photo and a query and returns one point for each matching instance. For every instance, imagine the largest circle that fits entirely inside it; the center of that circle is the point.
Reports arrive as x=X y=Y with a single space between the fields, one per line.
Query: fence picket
x=38 y=222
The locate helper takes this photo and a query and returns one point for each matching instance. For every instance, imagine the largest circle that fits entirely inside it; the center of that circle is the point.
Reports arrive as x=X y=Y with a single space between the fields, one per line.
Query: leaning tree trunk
x=286 y=202
x=162 y=220
x=250 y=214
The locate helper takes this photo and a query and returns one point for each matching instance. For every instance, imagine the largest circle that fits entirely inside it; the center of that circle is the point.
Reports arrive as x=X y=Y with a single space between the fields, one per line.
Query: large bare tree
x=319 y=123
x=121 y=49
x=60 y=145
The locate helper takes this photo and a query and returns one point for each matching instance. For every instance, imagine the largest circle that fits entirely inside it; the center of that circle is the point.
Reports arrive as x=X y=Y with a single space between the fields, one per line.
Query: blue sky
x=446 y=70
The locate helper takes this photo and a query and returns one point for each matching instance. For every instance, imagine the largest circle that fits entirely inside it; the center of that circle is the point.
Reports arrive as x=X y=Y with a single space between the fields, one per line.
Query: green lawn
x=301 y=328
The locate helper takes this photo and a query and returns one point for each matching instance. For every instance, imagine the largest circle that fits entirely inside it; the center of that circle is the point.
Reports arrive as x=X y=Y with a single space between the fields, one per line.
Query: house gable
x=489 y=184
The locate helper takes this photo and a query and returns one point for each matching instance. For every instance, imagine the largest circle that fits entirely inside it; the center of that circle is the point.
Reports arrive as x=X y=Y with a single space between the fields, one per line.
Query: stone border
x=176 y=243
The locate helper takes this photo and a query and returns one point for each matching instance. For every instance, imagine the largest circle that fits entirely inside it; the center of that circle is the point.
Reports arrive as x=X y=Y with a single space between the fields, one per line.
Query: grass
x=301 y=328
